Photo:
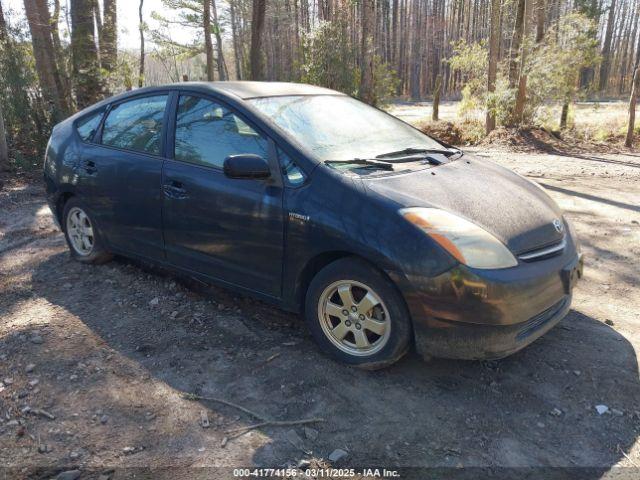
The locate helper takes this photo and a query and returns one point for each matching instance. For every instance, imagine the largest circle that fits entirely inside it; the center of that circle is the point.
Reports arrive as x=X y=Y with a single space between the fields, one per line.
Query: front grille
x=536 y=322
x=544 y=252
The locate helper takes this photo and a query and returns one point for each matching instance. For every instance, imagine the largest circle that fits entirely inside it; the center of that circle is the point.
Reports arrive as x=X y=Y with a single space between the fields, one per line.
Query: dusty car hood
x=516 y=211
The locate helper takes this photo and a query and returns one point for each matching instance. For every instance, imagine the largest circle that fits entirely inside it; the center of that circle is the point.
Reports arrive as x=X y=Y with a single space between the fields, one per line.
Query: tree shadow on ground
x=533 y=409
x=593 y=198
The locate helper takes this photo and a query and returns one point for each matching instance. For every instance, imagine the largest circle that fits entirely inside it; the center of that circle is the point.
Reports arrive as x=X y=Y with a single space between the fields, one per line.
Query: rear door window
x=136 y=125
x=208 y=132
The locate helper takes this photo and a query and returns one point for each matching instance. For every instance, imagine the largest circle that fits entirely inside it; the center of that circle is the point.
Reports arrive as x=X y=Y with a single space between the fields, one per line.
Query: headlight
x=467 y=242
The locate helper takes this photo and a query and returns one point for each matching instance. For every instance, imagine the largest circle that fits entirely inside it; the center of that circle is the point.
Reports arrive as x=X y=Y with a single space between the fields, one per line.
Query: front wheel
x=82 y=235
x=356 y=315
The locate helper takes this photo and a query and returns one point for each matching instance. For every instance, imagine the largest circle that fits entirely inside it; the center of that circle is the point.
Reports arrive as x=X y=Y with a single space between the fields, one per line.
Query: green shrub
x=329 y=60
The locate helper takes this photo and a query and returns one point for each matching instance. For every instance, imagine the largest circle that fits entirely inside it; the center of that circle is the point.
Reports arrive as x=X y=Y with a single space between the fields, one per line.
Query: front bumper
x=487 y=314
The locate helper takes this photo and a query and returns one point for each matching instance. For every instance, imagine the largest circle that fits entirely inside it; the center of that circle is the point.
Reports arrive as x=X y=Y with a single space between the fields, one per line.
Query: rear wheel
x=82 y=235
x=356 y=315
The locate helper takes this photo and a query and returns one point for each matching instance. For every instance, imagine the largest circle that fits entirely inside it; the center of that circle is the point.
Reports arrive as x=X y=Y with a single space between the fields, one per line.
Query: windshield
x=337 y=127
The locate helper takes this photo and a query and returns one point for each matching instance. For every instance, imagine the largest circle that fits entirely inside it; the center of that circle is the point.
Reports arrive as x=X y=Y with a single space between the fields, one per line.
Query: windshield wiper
x=412 y=151
x=365 y=162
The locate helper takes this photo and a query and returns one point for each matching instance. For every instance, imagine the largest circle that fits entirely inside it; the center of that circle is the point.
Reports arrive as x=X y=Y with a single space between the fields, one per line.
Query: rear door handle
x=174 y=189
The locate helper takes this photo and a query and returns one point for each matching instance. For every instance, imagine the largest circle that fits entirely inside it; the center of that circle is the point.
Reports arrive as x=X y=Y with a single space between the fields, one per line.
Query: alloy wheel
x=354 y=318
x=80 y=231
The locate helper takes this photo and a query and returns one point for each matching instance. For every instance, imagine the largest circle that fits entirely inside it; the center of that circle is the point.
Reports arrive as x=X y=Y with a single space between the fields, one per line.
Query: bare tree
x=606 y=48
x=540 y=14
x=494 y=47
x=521 y=95
x=141 y=29
x=208 y=46
x=237 y=41
x=86 y=69
x=109 y=39
x=367 y=90
x=516 y=43
x=97 y=17
x=62 y=60
x=223 y=73
x=633 y=99
x=257 y=27
x=436 y=99
x=39 y=20
x=4 y=150
x=4 y=34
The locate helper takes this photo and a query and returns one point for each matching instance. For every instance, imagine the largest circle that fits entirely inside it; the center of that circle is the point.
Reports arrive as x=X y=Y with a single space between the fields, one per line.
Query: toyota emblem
x=558 y=225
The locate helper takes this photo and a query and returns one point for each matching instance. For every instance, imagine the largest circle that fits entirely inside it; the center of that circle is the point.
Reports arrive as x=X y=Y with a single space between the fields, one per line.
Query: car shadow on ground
x=536 y=408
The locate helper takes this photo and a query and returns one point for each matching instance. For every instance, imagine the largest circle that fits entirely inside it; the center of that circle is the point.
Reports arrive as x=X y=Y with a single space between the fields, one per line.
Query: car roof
x=245 y=90
x=241 y=90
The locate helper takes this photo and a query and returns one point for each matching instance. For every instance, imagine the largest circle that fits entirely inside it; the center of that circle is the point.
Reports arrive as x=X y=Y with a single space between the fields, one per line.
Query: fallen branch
x=193 y=396
x=264 y=422
x=272 y=357
x=43 y=413
x=275 y=423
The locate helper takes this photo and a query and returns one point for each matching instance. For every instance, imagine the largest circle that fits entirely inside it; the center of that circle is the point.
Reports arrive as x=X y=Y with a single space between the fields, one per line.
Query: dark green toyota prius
x=381 y=236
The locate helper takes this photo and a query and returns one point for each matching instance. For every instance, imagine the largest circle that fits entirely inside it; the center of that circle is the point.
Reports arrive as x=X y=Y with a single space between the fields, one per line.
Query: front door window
x=207 y=133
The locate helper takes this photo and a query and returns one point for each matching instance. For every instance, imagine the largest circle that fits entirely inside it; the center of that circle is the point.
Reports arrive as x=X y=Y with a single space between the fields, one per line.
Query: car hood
x=515 y=210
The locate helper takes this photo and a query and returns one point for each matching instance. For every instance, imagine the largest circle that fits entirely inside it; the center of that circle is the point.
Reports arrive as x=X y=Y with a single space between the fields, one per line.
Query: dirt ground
x=94 y=361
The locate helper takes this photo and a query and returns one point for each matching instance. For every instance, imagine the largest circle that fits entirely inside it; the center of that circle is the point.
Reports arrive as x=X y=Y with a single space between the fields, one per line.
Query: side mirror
x=246 y=166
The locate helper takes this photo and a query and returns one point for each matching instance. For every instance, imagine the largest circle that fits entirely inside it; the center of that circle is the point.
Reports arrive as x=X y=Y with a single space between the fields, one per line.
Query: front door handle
x=174 y=189
x=90 y=167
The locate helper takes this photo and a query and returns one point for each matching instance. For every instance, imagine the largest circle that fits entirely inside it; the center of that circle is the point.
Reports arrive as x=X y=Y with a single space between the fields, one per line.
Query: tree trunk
x=61 y=57
x=97 y=17
x=564 y=115
x=207 y=39
x=636 y=63
x=540 y=14
x=517 y=72
x=436 y=99
x=223 y=73
x=494 y=48
x=86 y=70
x=606 y=49
x=40 y=27
x=521 y=99
x=367 y=90
x=109 y=39
x=141 y=29
x=237 y=47
x=4 y=35
x=633 y=99
x=516 y=42
x=257 y=27
x=4 y=150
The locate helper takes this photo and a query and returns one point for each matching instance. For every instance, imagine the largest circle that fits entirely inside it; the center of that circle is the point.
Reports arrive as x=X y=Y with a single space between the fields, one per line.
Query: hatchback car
x=307 y=198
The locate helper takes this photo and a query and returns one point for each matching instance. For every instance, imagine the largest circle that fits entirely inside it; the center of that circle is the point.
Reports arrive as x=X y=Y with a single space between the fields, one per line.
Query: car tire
x=357 y=316
x=82 y=235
